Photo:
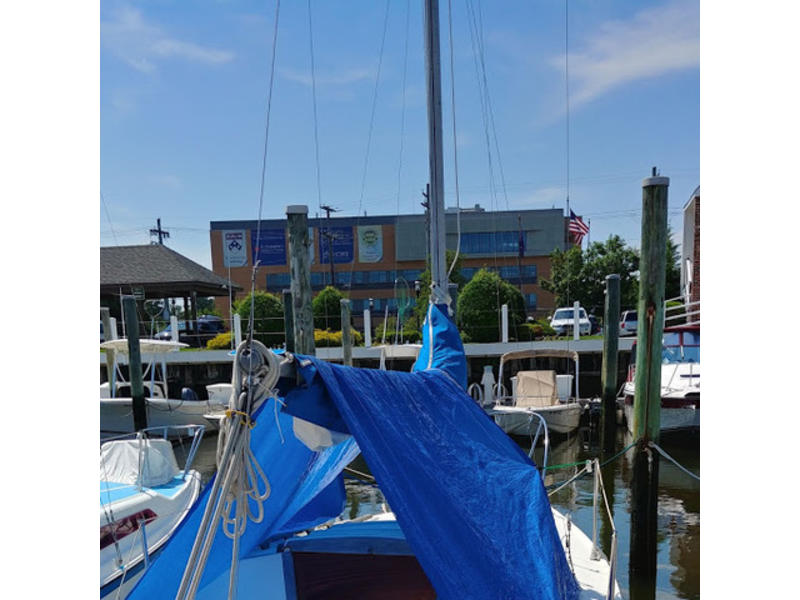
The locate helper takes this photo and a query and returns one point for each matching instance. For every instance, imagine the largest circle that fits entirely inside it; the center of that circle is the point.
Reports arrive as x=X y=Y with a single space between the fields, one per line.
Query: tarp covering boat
x=307 y=489
x=471 y=504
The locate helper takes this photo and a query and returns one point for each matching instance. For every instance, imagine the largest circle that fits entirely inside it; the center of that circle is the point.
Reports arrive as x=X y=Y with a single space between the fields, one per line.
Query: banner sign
x=270 y=249
x=341 y=238
x=234 y=248
x=370 y=243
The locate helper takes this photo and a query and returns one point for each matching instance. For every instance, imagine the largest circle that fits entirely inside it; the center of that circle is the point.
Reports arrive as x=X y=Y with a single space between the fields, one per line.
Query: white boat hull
x=169 y=503
x=116 y=414
x=560 y=418
x=672 y=419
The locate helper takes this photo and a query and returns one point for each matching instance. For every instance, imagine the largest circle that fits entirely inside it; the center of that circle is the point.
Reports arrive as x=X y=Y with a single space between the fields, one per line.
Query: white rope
x=675 y=462
x=238 y=486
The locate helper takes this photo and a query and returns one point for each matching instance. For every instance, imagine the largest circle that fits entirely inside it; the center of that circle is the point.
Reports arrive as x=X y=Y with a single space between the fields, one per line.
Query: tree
x=479 y=307
x=327 y=309
x=579 y=275
x=421 y=308
x=672 y=287
x=268 y=317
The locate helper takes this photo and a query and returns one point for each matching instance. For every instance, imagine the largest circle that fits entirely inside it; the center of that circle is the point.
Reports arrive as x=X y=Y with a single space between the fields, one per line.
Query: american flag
x=577 y=228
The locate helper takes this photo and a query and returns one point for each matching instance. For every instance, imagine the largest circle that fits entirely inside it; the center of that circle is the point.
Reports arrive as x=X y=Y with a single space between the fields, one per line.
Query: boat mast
x=439 y=288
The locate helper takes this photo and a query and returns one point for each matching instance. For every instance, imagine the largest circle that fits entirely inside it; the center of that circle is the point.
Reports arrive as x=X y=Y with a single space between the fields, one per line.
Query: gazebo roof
x=159 y=270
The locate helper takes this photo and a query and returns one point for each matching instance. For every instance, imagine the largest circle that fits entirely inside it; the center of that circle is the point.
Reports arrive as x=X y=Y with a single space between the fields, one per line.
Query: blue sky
x=183 y=96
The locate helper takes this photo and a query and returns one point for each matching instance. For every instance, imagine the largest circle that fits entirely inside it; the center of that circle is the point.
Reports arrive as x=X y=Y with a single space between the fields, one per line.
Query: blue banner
x=270 y=247
x=341 y=238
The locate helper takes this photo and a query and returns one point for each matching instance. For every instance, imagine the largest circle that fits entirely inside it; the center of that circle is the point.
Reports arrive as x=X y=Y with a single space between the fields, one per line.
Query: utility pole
x=161 y=233
x=647 y=395
x=300 y=269
x=329 y=234
x=427 y=206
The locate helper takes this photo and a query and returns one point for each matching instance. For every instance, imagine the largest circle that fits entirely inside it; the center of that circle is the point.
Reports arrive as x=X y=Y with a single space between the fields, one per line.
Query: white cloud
x=653 y=42
x=172 y=182
x=140 y=44
x=345 y=77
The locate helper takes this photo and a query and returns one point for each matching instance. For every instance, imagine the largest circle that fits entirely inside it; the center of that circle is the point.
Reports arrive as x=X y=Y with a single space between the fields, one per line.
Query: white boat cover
x=146 y=346
x=536 y=389
x=119 y=462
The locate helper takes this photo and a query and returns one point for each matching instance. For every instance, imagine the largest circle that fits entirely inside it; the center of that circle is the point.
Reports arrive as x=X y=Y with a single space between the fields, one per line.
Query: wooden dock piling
x=300 y=270
x=135 y=363
x=288 y=320
x=347 y=342
x=647 y=396
x=608 y=377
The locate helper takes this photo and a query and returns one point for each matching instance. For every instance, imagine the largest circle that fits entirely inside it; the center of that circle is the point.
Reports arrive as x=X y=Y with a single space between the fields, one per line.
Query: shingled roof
x=159 y=270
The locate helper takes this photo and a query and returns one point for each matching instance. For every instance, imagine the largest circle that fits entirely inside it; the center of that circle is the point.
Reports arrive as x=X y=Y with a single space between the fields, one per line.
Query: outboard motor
x=188 y=394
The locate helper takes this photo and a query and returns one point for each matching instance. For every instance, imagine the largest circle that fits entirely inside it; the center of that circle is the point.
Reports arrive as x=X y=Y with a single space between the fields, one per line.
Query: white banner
x=234 y=248
x=370 y=243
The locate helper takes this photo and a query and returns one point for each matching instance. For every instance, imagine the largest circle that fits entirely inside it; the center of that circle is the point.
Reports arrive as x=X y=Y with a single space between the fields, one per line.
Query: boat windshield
x=678 y=350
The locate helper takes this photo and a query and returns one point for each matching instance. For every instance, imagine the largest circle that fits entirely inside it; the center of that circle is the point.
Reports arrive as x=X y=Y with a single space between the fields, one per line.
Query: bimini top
x=147 y=346
x=555 y=353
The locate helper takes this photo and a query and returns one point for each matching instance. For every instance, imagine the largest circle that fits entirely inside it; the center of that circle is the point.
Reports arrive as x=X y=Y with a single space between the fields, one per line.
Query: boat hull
x=678 y=413
x=560 y=418
x=124 y=508
x=116 y=414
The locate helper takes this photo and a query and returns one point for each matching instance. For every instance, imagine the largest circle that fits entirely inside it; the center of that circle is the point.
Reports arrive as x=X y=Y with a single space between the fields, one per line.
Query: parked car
x=563 y=320
x=628 y=323
x=208 y=326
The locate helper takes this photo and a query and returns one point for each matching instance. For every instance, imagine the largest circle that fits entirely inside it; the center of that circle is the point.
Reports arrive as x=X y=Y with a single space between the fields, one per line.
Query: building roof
x=159 y=270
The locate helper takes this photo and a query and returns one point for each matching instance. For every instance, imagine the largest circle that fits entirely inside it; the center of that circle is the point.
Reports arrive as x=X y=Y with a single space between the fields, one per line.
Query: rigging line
x=490 y=110
x=314 y=103
x=108 y=216
x=251 y=321
x=455 y=139
x=369 y=134
x=566 y=80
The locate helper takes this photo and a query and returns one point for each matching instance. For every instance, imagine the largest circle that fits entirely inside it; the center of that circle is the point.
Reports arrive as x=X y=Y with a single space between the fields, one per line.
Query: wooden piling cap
x=297 y=209
x=650 y=181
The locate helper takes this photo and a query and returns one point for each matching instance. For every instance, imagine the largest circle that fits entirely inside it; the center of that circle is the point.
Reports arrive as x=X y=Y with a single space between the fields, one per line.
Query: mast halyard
x=439 y=283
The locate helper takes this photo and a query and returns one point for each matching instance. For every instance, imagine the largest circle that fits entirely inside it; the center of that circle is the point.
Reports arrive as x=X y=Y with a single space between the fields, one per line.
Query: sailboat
x=470 y=515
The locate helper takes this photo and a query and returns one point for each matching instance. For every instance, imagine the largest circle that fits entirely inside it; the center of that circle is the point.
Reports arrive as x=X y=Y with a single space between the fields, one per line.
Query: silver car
x=628 y=323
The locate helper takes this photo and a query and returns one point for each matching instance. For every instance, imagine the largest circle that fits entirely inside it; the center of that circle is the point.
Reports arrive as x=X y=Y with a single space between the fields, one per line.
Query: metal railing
x=681 y=313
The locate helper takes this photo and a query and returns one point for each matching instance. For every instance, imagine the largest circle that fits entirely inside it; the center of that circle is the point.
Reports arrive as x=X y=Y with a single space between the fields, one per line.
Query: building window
x=490 y=242
x=530 y=301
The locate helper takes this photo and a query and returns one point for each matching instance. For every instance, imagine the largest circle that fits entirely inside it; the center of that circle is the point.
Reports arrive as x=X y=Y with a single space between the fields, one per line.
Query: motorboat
x=144 y=496
x=680 y=380
x=534 y=391
x=116 y=404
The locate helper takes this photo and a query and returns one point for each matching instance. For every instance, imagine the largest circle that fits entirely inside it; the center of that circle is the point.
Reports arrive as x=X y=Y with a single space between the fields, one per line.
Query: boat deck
x=111 y=491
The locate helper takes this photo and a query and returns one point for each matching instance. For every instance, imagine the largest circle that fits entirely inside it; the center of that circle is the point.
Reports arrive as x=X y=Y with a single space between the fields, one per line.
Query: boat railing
x=599 y=488
x=685 y=312
x=167 y=432
x=541 y=427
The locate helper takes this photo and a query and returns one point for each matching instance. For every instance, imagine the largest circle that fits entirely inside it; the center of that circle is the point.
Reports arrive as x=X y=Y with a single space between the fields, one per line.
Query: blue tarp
x=307 y=489
x=471 y=504
x=441 y=346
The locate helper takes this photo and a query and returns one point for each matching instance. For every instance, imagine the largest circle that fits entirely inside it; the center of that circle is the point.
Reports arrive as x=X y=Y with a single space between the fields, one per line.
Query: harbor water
x=678 y=560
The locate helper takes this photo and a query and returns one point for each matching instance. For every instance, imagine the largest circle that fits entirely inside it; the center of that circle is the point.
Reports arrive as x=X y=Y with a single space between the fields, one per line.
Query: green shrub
x=222 y=341
x=479 y=306
x=410 y=333
x=325 y=338
x=268 y=316
x=327 y=309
